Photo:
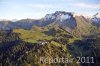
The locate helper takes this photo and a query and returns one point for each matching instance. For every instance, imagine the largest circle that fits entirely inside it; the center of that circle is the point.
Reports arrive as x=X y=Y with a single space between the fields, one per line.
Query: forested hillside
x=16 y=51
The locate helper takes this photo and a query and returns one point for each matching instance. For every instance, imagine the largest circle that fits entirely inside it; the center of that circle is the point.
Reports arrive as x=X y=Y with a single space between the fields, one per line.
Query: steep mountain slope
x=83 y=27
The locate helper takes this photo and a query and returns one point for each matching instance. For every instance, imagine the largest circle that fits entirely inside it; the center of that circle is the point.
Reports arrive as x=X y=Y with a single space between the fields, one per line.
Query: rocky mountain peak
x=97 y=15
x=96 y=20
x=58 y=15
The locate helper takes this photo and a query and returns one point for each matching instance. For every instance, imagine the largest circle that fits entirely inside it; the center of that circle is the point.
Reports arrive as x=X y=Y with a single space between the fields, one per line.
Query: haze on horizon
x=21 y=9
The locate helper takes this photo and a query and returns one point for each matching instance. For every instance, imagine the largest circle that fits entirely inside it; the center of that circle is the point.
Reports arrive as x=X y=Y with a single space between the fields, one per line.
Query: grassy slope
x=31 y=36
x=83 y=27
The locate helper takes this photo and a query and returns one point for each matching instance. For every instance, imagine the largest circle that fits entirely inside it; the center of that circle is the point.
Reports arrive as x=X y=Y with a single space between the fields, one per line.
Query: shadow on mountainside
x=88 y=47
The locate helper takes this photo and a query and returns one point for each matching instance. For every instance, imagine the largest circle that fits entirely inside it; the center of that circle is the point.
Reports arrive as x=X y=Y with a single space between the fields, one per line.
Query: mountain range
x=65 y=20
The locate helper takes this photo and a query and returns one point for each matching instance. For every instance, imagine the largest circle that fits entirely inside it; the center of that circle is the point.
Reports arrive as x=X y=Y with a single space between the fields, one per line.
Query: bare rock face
x=64 y=19
x=96 y=20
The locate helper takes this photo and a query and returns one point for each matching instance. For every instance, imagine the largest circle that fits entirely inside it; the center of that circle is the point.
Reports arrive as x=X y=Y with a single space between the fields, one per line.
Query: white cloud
x=40 y=5
x=84 y=5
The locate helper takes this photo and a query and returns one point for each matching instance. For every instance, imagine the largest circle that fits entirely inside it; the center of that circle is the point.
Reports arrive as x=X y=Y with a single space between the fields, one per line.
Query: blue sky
x=21 y=9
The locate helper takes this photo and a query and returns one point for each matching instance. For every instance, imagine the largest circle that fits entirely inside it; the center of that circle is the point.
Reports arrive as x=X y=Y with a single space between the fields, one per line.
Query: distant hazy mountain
x=24 y=24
